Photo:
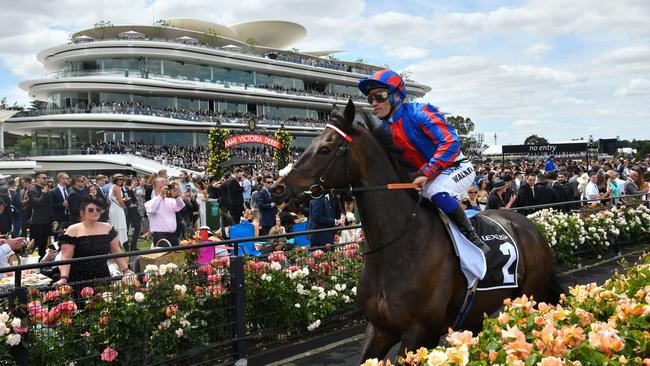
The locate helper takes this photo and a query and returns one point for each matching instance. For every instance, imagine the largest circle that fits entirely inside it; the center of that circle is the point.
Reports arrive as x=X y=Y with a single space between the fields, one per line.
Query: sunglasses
x=94 y=209
x=269 y=182
x=380 y=97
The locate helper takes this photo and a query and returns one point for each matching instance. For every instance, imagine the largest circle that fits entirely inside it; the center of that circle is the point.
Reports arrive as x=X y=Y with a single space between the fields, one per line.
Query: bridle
x=341 y=151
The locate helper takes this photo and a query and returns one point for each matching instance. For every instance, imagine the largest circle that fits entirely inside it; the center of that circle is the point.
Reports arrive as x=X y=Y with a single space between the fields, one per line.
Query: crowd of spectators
x=312 y=92
x=193 y=158
x=139 y=108
x=281 y=56
x=513 y=185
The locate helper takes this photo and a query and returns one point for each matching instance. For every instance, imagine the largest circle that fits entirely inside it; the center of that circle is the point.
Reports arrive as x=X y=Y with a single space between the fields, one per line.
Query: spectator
x=632 y=184
x=5 y=215
x=88 y=238
x=162 y=209
x=321 y=216
x=591 y=190
x=550 y=165
x=16 y=208
x=266 y=206
x=543 y=194
x=472 y=199
x=232 y=196
x=117 y=207
x=133 y=219
x=496 y=198
x=526 y=194
x=74 y=199
x=27 y=209
x=7 y=246
x=612 y=188
x=39 y=201
x=483 y=193
x=59 y=201
x=101 y=196
x=248 y=190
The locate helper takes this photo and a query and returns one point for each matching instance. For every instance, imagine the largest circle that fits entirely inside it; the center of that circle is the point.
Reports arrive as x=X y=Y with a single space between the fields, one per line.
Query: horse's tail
x=555 y=289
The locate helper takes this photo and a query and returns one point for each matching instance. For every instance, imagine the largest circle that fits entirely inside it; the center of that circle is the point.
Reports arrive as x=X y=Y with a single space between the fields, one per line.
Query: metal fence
x=226 y=325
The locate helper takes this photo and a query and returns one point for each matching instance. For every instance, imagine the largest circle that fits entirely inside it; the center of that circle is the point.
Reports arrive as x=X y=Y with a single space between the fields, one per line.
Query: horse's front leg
x=418 y=336
x=376 y=343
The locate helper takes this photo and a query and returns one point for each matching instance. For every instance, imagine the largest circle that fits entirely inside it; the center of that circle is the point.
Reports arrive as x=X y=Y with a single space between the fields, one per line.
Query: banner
x=252 y=139
x=546 y=148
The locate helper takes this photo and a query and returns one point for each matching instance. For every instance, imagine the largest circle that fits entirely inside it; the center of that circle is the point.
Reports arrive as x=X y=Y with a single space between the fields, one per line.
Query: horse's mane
x=385 y=139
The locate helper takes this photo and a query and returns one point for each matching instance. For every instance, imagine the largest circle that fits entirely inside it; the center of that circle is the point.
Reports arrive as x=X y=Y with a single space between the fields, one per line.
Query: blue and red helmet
x=384 y=79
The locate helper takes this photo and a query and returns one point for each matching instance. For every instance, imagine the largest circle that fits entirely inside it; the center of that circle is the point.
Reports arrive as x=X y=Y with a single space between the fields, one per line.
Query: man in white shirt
x=6 y=247
x=591 y=190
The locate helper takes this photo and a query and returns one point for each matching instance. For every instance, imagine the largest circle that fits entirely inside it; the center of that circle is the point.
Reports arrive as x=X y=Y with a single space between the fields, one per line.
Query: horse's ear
x=348 y=113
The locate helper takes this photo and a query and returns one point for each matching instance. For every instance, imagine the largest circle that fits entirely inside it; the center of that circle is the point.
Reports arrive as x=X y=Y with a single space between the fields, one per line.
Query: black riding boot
x=461 y=220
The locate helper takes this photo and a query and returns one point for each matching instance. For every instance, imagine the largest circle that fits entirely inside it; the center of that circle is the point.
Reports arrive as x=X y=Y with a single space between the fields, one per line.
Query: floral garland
x=282 y=156
x=218 y=153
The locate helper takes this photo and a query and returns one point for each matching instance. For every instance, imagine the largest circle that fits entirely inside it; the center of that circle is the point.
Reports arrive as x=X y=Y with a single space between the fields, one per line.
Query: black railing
x=230 y=327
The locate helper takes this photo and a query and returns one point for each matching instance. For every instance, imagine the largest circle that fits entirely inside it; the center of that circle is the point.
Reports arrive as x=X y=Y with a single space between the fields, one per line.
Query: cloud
x=634 y=87
x=408 y=53
x=571 y=101
x=538 y=49
x=525 y=123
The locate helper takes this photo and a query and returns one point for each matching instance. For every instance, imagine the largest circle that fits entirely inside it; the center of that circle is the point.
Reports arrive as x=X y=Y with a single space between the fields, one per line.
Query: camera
x=171 y=187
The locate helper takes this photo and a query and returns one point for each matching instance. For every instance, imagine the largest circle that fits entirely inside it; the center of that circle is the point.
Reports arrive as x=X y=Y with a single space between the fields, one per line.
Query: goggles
x=380 y=97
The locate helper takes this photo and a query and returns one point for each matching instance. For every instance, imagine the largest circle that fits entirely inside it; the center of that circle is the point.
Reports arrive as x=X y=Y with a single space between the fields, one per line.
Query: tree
x=535 y=140
x=211 y=36
x=103 y=26
x=406 y=74
x=38 y=105
x=160 y=24
x=23 y=145
x=14 y=107
x=252 y=43
x=464 y=127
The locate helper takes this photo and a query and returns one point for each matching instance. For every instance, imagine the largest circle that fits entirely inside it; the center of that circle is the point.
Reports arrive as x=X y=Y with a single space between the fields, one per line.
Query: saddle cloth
x=499 y=269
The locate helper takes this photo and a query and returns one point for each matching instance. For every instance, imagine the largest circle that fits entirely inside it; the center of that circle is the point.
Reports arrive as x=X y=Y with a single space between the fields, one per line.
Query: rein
x=320 y=190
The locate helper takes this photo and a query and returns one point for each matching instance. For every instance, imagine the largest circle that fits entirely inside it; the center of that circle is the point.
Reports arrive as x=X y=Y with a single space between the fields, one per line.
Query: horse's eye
x=324 y=151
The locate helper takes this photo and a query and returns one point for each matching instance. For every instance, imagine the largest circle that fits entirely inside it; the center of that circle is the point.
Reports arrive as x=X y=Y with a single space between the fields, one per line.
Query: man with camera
x=166 y=201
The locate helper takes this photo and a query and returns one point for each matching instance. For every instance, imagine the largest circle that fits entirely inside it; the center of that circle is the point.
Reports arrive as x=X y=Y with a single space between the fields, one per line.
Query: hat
x=88 y=200
x=498 y=183
x=117 y=177
x=507 y=178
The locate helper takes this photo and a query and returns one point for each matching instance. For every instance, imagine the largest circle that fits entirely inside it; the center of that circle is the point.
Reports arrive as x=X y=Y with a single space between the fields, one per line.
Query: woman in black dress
x=88 y=238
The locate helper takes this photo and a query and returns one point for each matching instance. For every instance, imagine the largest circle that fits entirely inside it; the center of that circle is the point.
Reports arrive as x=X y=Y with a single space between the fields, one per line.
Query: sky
x=556 y=68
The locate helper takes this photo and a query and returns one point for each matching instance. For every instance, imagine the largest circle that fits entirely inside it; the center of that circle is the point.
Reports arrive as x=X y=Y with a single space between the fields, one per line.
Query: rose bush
x=570 y=233
x=593 y=325
x=170 y=310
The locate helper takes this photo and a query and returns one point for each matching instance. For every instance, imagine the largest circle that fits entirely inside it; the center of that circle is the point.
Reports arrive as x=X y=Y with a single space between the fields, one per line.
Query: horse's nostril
x=279 y=189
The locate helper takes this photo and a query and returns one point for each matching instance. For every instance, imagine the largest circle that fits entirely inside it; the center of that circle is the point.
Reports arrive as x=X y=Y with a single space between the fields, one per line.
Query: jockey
x=429 y=144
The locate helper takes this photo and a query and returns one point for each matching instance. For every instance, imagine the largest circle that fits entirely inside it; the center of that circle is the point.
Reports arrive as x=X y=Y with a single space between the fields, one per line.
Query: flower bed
x=594 y=325
x=570 y=234
x=170 y=312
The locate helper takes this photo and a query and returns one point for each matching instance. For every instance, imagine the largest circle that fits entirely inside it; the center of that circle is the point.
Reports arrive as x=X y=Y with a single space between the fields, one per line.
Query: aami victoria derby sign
x=546 y=148
x=252 y=139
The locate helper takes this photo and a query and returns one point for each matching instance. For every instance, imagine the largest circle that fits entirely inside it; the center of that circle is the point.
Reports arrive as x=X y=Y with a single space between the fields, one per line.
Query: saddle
x=499 y=269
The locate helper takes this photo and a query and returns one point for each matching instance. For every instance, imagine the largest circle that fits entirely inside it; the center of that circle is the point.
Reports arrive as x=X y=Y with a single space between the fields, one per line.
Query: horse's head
x=327 y=163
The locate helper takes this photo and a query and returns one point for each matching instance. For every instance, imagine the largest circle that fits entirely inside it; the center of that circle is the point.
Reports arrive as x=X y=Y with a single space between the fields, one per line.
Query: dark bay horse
x=410 y=290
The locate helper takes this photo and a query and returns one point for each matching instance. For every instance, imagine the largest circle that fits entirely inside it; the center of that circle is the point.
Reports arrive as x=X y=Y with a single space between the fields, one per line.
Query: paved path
x=345 y=353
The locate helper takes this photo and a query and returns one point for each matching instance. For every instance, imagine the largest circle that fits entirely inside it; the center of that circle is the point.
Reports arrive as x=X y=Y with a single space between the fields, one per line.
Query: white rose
x=354 y=290
x=16 y=322
x=321 y=296
x=13 y=339
x=3 y=329
x=4 y=317
x=139 y=296
x=275 y=266
x=151 y=268
x=163 y=269
x=297 y=305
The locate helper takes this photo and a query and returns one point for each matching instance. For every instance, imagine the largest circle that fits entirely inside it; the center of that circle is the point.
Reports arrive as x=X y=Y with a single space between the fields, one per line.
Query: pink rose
x=109 y=355
x=317 y=254
x=87 y=292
